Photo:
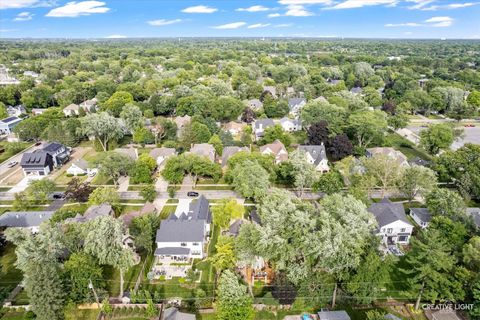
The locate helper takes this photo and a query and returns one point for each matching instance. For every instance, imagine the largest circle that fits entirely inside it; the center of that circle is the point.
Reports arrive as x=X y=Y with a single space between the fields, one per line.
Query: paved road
x=471 y=135
x=6 y=171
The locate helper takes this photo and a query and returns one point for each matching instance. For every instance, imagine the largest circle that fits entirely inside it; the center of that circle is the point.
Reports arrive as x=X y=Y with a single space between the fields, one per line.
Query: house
x=260 y=125
x=5 y=78
x=421 y=216
x=272 y=90
x=255 y=104
x=162 y=154
x=204 y=150
x=29 y=73
x=333 y=82
x=38 y=111
x=295 y=105
x=89 y=105
x=80 y=167
x=7 y=124
x=36 y=163
x=91 y=213
x=317 y=156
x=60 y=153
x=356 y=90
x=173 y=314
x=393 y=225
x=132 y=153
x=184 y=237
x=72 y=109
x=181 y=122
x=333 y=315
x=392 y=153
x=229 y=151
x=475 y=214
x=147 y=208
x=291 y=125
x=234 y=228
x=277 y=149
x=235 y=128
x=16 y=111
x=30 y=220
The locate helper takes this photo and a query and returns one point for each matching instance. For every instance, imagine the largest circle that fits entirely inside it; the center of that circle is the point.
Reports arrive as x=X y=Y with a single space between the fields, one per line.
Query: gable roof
x=386 y=212
x=391 y=152
x=35 y=159
x=234 y=228
x=255 y=103
x=422 y=213
x=173 y=314
x=295 y=122
x=182 y=121
x=82 y=164
x=229 y=151
x=317 y=152
x=92 y=212
x=292 y=102
x=204 y=149
x=276 y=146
x=233 y=125
x=333 y=315
x=162 y=152
x=132 y=153
x=265 y=123
x=53 y=147
x=24 y=219
x=72 y=106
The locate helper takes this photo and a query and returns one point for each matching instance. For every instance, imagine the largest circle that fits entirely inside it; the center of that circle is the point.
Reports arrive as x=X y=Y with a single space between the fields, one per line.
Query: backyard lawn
x=167 y=210
x=9 y=275
x=406 y=147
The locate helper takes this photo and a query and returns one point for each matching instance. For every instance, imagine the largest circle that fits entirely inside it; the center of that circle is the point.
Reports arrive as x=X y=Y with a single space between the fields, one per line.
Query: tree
x=248 y=115
x=148 y=193
x=276 y=109
x=367 y=126
x=143 y=169
x=81 y=269
x=78 y=191
x=318 y=133
x=474 y=98
x=275 y=133
x=104 y=195
x=132 y=116
x=303 y=173
x=225 y=211
x=398 y=120
x=431 y=266
x=194 y=165
x=143 y=229
x=340 y=147
x=104 y=240
x=436 y=138
x=233 y=301
x=103 y=127
x=143 y=136
x=417 y=181
x=21 y=201
x=115 y=165
x=329 y=183
x=194 y=132
x=250 y=179
x=384 y=170
x=117 y=101
x=471 y=253
x=224 y=257
x=217 y=144
x=475 y=312
x=375 y=315
x=454 y=232
x=445 y=202
x=39 y=190
x=316 y=111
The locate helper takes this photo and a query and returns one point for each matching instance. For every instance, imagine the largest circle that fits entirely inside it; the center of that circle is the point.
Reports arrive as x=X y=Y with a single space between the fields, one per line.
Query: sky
x=234 y=18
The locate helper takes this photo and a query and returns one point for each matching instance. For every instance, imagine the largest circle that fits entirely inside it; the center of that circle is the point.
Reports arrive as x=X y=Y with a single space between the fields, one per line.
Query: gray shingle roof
x=333 y=315
x=174 y=314
x=172 y=250
x=229 y=152
x=295 y=101
x=264 y=122
x=53 y=147
x=38 y=158
x=386 y=212
x=422 y=213
x=164 y=152
x=93 y=212
x=24 y=219
x=317 y=152
x=234 y=228
x=475 y=213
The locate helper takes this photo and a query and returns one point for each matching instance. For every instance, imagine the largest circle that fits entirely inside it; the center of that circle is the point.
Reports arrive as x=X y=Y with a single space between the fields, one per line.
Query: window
x=183 y=244
x=195 y=243
x=389 y=230
x=403 y=239
x=402 y=230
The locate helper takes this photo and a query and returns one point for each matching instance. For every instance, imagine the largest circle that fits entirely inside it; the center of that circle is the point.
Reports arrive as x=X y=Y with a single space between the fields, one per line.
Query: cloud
x=116 y=36
x=450 y=6
x=7 y=30
x=24 y=16
x=75 y=9
x=233 y=25
x=300 y=2
x=352 y=4
x=258 y=25
x=257 y=8
x=17 y=4
x=200 y=9
x=419 y=4
x=295 y=10
x=436 y=22
x=274 y=15
x=284 y=25
x=163 y=22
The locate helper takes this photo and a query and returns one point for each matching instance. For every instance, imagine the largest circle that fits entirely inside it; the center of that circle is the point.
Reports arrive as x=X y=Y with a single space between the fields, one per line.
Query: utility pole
x=90 y=286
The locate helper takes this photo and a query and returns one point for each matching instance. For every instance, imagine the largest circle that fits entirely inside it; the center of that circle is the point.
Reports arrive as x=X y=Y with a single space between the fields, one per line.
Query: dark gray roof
x=24 y=219
x=38 y=158
x=229 y=152
x=93 y=212
x=172 y=251
x=264 y=122
x=10 y=120
x=200 y=209
x=254 y=217
x=386 y=212
x=53 y=147
x=234 y=228
x=292 y=102
x=422 y=213
x=181 y=230
x=316 y=152
x=173 y=314
x=333 y=315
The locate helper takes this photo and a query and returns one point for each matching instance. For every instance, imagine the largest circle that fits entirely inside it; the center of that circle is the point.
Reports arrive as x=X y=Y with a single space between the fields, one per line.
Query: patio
x=171 y=267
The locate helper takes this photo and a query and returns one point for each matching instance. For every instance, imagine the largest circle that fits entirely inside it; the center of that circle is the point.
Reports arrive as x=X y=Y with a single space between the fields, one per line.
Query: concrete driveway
x=182 y=206
x=22 y=185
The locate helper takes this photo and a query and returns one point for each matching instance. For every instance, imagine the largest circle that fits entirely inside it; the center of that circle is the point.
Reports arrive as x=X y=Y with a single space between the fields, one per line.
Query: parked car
x=58 y=196
x=192 y=194
x=12 y=164
x=38 y=143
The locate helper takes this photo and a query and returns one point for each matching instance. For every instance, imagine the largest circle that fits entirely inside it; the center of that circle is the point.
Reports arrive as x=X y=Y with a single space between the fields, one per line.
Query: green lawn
x=167 y=210
x=10 y=276
x=113 y=276
x=63 y=179
x=101 y=179
x=406 y=147
x=7 y=153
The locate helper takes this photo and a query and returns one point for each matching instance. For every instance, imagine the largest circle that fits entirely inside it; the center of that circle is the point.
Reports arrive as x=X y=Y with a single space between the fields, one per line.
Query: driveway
x=22 y=185
x=182 y=206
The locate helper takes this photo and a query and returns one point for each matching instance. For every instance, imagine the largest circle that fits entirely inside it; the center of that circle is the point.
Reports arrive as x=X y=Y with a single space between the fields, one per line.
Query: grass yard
x=63 y=179
x=406 y=147
x=200 y=187
x=10 y=153
x=15 y=315
x=10 y=276
x=101 y=179
x=167 y=210
x=113 y=276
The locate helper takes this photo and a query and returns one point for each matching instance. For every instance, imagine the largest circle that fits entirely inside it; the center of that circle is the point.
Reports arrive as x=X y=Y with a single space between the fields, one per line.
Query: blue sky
x=232 y=18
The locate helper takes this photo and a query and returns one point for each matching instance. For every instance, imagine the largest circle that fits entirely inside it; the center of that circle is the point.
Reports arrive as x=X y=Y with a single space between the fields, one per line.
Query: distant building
x=5 y=79
x=291 y=125
x=390 y=152
x=475 y=214
x=255 y=104
x=7 y=124
x=162 y=154
x=204 y=150
x=60 y=153
x=32 y=74
x=356 y=90
x=421 y=216
x=38 y=111
x=181 y=123
x=277 y=149
x=333 y=315
x=36 y=163
x=235 y=128
x=80 y=167
x=30 y=220
x=71 y=110
x=317 y=156
x=89 y=105
x=295 y=105
x=272 y=90
x=16 y=111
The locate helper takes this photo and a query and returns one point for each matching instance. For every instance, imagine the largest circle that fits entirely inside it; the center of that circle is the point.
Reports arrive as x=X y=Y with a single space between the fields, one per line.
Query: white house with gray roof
x=393 y=224
x=291 y=125
x=260 y=125
x=421 y=216
x=296 y=105
x=30 y=220
x=80 y=167
x=317 y=156
x=185 y=236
